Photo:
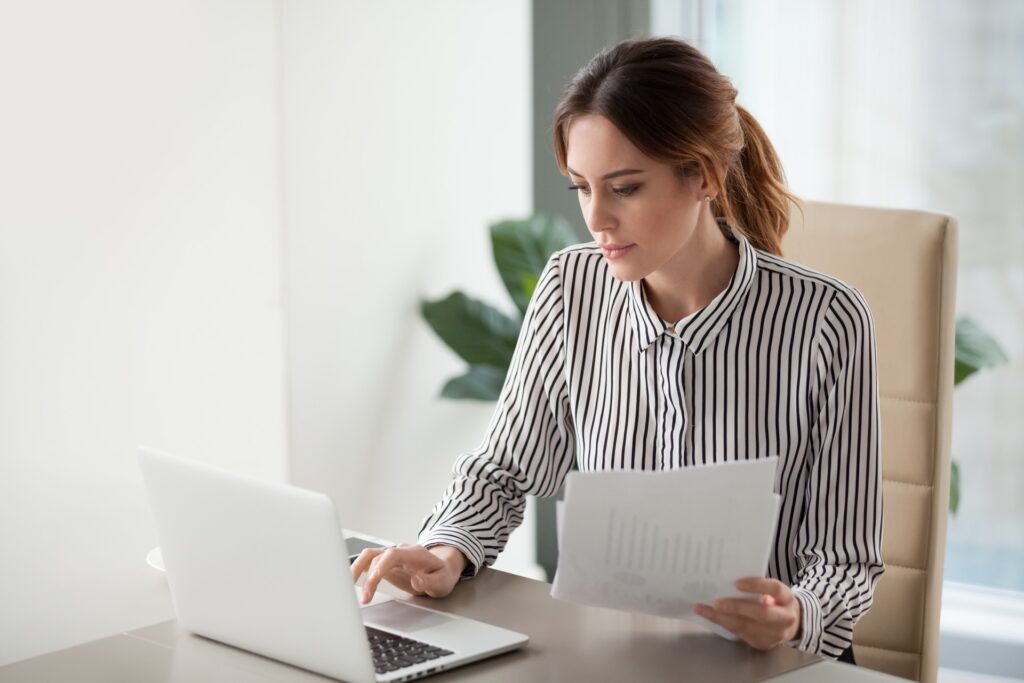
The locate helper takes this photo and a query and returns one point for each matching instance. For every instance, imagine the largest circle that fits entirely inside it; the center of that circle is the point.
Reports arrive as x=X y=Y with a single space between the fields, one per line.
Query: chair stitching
x=908 y=400
x=900 y=566
x=908 y=483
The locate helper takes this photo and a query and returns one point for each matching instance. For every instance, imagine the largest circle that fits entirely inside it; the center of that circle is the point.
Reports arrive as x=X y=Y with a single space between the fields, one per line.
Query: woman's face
x=630 y=200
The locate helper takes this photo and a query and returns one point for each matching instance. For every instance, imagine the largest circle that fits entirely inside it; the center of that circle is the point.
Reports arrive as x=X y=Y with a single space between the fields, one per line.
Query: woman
x=680 y=337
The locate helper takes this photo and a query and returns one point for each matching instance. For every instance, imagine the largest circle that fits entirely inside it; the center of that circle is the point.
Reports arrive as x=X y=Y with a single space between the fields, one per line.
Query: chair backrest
x=904 y=263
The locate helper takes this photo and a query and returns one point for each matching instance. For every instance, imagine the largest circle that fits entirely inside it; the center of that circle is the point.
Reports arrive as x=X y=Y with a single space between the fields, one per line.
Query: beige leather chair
x=904 y=263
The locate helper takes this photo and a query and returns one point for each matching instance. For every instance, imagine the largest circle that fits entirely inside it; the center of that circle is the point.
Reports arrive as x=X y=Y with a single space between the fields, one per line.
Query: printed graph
x=641 y=546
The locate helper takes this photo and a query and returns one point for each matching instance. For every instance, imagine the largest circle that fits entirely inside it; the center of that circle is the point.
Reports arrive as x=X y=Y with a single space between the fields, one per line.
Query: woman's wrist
x=451 y=556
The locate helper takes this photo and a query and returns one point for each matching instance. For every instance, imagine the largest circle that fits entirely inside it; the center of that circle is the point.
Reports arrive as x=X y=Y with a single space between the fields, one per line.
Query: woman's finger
x=379 y=566
x=755 y=611
x=782 y=593
x=362 y=562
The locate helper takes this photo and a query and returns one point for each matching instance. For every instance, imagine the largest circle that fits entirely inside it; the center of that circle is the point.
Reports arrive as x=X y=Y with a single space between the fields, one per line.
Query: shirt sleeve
x=839 y=547
x=528 y=447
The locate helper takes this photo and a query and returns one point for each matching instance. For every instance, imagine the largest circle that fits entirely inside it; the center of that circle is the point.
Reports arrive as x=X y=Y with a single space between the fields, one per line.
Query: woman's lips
x=612 y=253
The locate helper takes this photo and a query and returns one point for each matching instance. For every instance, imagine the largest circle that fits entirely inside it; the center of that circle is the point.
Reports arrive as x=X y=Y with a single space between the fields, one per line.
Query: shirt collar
x=698 y=329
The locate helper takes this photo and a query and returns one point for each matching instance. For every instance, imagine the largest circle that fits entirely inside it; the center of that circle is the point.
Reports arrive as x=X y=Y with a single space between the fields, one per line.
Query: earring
x=707 y=198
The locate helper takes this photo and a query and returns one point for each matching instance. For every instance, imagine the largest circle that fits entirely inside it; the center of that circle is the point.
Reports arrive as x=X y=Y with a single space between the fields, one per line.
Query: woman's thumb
x=416 y=582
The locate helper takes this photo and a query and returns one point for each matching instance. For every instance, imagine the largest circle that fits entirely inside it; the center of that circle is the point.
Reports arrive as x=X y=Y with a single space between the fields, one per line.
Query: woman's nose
x=598 y=217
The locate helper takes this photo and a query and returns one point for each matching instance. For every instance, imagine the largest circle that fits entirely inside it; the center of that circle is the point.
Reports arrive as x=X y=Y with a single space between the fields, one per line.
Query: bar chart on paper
x=641 y=545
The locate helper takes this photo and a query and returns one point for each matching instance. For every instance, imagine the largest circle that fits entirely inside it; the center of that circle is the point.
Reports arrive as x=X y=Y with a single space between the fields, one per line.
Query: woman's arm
x=839 y=543
x=528 y=447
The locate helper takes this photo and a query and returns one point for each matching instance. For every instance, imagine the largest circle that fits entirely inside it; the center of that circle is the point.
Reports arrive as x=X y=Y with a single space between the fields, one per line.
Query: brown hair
x=671 y=102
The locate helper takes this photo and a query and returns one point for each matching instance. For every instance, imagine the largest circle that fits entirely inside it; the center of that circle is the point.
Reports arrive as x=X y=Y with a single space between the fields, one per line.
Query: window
x=918 y=105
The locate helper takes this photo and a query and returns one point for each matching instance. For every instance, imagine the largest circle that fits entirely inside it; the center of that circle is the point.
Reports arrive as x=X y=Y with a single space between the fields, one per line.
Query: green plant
x=479 y=333
x=975 y=349
x=485 y=337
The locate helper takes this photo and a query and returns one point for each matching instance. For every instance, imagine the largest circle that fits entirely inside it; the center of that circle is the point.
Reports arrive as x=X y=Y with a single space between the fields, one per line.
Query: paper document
x=660 y=542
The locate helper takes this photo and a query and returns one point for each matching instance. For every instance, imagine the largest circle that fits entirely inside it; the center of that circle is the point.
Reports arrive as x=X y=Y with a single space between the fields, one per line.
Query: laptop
x=263 y=566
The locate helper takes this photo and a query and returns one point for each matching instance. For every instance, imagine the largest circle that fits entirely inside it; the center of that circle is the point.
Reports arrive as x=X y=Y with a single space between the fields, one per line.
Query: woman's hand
x=412 y=568
x=773 y=619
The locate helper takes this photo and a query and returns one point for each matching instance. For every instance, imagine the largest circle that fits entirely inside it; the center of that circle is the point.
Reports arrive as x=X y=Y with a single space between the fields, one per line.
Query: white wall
x=140 y=281
x=174 y=177
x=407 y=131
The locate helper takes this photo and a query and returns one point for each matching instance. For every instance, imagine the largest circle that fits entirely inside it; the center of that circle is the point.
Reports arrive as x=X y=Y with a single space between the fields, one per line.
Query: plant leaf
x=480 y=383
x=975 y=349
x=530 y=284
x=954 y=488
x=478 y=332
x=522 y=248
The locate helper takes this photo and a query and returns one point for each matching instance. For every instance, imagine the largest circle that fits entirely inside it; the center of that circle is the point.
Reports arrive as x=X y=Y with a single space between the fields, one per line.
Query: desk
x=568 y=642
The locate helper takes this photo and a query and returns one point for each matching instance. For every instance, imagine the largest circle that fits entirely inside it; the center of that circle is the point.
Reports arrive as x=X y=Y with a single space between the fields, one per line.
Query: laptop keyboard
x=391 y=652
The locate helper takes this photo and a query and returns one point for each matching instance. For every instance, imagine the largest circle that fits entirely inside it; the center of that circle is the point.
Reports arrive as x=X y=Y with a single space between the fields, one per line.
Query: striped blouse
x=780 y=362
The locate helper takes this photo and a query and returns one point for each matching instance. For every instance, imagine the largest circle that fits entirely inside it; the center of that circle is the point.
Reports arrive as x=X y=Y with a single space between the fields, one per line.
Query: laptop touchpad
x=400 y=616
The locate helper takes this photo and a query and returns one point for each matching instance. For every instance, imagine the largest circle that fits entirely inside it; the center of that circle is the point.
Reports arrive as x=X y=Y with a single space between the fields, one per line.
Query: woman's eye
x=620 y=191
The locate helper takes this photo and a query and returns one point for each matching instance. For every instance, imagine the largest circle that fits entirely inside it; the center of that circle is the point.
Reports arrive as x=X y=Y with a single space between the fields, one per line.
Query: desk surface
x=568 y=642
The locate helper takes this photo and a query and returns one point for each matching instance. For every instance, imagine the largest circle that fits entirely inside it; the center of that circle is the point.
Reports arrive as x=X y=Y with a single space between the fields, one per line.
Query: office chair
x=904 y=263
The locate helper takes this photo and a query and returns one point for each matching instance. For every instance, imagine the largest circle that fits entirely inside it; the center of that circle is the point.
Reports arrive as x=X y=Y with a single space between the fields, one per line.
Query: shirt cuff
x=810 y=627
x=459 y=538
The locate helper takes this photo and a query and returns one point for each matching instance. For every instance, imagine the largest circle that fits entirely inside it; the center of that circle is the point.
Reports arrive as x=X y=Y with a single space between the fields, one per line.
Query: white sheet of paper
x=660 y=542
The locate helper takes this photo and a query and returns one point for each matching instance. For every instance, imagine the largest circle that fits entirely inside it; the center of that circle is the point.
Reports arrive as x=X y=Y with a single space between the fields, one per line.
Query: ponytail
x=755 y=199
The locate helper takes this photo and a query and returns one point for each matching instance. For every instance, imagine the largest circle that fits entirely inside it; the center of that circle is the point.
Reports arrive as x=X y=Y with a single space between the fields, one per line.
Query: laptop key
x=391 y=651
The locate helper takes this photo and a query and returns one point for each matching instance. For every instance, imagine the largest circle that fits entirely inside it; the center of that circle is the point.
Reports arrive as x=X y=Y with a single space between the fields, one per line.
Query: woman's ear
x=698 y=181
x=708 y=188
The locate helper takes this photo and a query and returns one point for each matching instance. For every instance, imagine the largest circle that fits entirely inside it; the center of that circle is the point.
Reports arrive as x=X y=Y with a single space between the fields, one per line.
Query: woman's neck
x=698 y=273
